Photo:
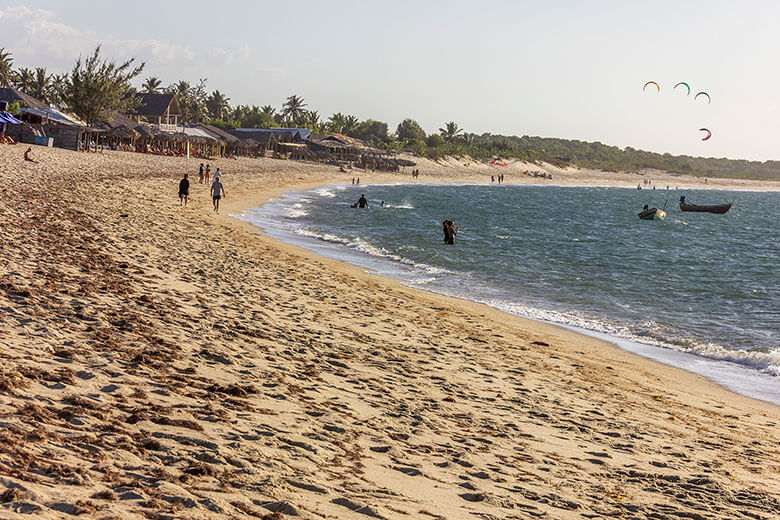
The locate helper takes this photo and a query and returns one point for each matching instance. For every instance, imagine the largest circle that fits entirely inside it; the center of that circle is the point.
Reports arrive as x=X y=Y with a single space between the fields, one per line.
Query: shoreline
x=159 y=360
x=666 y=356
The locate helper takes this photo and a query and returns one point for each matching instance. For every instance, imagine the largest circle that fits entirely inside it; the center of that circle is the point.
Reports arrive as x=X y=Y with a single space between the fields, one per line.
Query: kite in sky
x=685 y=85
x=651 y=83
x=709 y=134
x=709 y=100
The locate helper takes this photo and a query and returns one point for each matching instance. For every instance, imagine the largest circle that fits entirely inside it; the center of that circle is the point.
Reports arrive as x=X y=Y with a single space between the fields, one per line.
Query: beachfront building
x=274 y=140
x=48 y=126
x=161 y=110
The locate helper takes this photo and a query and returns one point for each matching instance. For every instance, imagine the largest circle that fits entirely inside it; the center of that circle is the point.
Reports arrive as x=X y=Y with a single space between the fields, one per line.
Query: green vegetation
x=96 y=89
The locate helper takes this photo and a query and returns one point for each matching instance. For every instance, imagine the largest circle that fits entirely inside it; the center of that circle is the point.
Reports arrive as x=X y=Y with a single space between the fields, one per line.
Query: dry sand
x=163 y=362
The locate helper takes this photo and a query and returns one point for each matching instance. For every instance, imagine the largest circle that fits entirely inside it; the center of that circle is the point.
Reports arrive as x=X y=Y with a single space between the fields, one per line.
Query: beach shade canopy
x=6 y=117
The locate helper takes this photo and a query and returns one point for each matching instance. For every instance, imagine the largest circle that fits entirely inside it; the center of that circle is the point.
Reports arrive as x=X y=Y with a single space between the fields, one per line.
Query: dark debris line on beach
x=133 y=390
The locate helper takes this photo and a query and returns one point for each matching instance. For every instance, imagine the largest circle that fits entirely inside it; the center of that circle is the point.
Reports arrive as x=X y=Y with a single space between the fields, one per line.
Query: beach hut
x=225 y=140
x=24 y=132
x=159 y=109
x=120 y=132
x=66 y=130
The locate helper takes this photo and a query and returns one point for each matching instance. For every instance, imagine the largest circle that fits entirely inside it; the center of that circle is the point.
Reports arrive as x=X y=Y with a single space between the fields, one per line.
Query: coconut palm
x=293 y=109
x=450 y=131
x=23 y=79
x=6 y=64
x=217 y=104
x=151 y=85
x=58 y=83
x=40 y=86
x=350 y=125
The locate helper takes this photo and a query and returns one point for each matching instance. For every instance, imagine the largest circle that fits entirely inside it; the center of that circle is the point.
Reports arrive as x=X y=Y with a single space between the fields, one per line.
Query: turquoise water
x=698 y=287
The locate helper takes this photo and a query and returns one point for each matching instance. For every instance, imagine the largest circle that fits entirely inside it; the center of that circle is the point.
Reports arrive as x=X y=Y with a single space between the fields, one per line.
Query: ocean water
x=697 y=290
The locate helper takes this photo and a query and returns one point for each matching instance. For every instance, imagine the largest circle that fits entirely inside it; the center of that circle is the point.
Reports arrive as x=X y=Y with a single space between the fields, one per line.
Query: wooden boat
x=715 y=208
x=652 y=214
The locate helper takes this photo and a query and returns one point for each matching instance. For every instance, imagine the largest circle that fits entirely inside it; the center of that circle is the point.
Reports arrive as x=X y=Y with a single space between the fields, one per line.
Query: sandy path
x=161 y=362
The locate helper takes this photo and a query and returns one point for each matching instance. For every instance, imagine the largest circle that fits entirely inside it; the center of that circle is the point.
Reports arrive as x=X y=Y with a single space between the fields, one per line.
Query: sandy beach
x=167 y=362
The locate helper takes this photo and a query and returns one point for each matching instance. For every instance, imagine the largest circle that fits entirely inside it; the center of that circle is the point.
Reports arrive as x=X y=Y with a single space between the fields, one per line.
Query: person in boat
x=682 y=199
x=362 y=202
x=645 y=208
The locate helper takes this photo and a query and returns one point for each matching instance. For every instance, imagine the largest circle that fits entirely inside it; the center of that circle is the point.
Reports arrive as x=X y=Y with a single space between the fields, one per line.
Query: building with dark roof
x=12 y=95
x=162 y=109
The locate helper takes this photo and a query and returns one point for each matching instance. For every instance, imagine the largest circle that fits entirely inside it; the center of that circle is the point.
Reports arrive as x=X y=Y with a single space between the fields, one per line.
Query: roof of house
x=11 y=95
x=120 y=120
x=219 y=133
x=55 y=115
x=154 y=104
x=302 y=132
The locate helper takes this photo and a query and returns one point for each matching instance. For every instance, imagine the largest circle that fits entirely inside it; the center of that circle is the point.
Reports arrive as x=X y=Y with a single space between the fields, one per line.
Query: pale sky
x=570 y=69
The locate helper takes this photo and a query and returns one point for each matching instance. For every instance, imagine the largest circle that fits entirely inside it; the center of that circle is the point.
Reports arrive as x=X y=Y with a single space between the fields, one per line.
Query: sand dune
x=168 y=362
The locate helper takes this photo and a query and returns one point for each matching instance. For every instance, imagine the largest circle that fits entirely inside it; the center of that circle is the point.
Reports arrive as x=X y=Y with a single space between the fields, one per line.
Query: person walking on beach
x=450 y=231
x=184 y=191
x=217 y=175
x=217 y=192
x=200 y=174
x=208 y=173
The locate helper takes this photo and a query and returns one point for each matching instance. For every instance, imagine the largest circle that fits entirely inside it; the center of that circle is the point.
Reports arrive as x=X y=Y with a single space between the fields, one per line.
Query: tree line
x=96 y=88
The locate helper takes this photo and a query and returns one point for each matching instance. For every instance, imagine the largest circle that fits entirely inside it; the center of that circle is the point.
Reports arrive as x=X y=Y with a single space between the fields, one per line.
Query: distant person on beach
x=184 y=191
x=28 y=157
x=200 y=174
x=362 y=202
x=208 y=173
x=217 y=175
x=217 y=192
x=357 y=181
x=450 y=231
x=492 y=180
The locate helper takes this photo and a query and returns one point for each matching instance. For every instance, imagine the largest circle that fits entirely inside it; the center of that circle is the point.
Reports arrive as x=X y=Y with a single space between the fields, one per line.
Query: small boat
x=714 y=208
x=652 y=214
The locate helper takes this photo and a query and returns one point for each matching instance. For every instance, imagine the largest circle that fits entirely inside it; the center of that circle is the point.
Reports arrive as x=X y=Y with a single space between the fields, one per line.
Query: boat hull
x=715 y=208
x=653 y=214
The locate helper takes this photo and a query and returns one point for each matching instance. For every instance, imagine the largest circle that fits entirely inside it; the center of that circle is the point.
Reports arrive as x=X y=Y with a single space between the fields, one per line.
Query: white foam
x=765 y=360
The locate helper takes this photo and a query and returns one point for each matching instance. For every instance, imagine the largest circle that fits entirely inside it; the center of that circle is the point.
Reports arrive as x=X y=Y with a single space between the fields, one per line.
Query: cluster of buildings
x=154 y=127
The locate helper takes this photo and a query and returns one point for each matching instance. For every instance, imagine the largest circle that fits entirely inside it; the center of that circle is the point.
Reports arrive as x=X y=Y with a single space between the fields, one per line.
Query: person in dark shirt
x=362 y=202
x=184 y=191
x=450 y=230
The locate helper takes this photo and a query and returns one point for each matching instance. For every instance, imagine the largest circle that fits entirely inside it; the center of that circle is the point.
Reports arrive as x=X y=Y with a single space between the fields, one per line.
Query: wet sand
x=168 y=362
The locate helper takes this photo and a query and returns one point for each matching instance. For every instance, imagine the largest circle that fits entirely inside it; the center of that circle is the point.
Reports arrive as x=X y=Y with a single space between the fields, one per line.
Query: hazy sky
x=571 y=69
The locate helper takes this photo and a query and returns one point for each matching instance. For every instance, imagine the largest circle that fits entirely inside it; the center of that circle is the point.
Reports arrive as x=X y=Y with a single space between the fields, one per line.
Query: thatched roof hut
x=219 y=133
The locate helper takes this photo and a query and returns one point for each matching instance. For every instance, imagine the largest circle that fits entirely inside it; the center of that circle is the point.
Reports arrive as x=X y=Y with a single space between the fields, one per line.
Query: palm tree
x=23 y=78
x=293 y=109
x=217 y=104
x=350 y=125
x=40 y=86
x=336 y=122
x=57 y=85
x=450 y=131
x=151 y=85
x=6 y=72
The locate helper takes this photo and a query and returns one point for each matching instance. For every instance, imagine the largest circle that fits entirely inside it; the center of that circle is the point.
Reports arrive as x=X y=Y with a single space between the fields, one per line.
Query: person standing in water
x=450 y=231
x=362 y=202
